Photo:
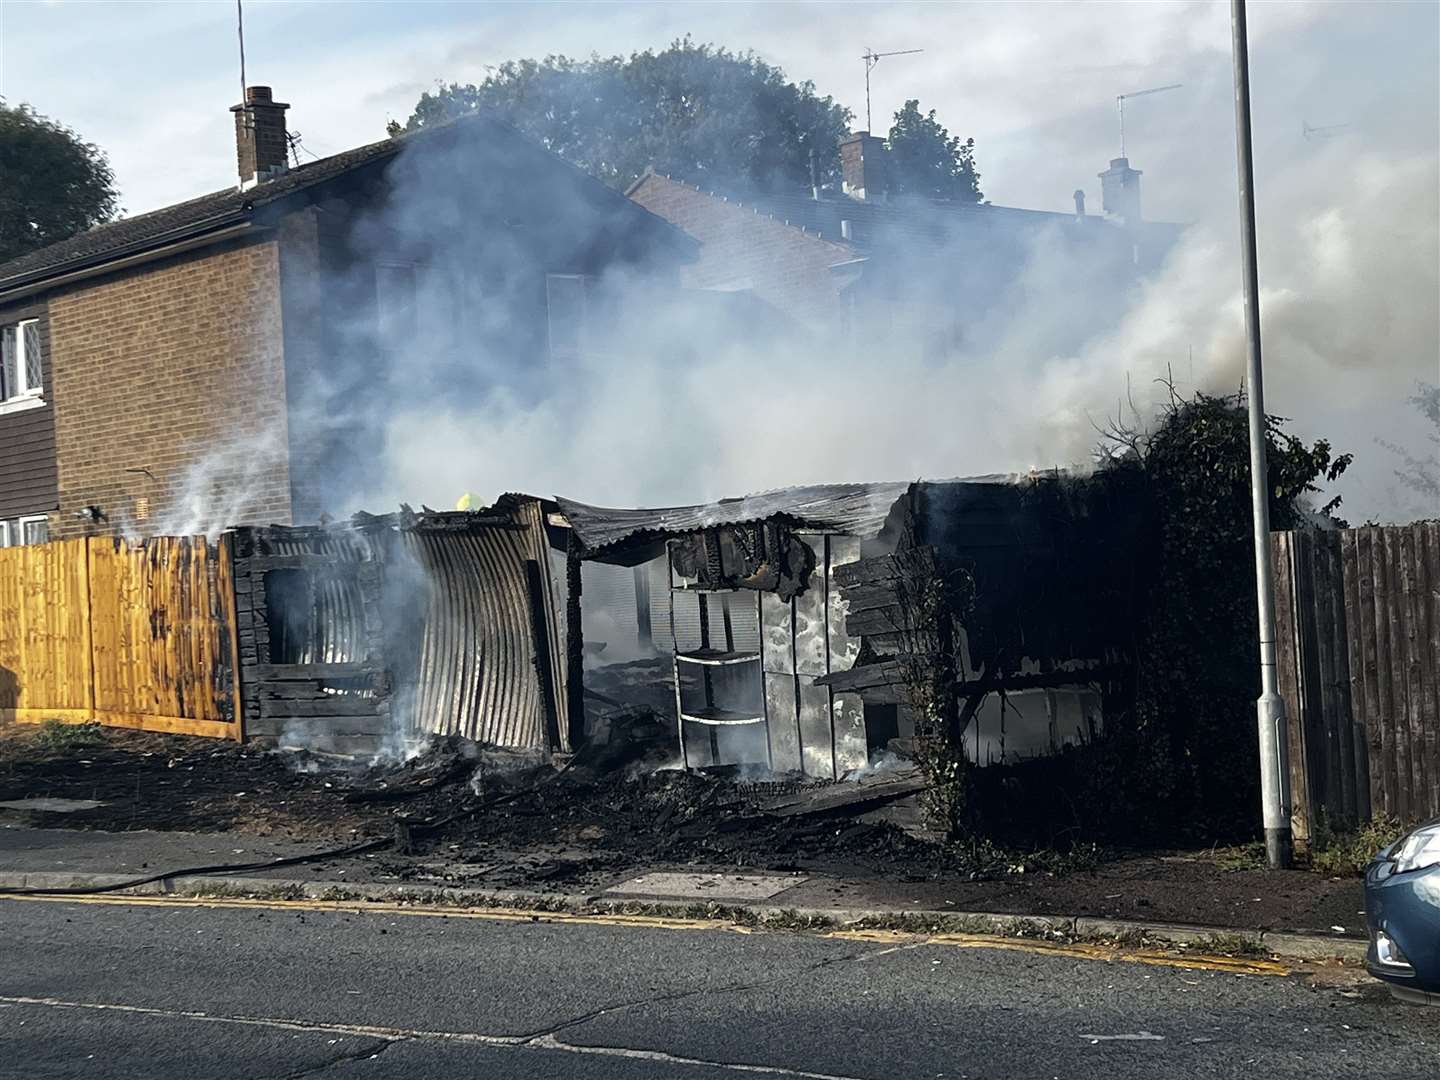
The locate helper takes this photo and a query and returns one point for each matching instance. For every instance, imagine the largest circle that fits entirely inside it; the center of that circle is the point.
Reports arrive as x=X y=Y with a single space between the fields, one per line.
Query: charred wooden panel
x=1359 y=644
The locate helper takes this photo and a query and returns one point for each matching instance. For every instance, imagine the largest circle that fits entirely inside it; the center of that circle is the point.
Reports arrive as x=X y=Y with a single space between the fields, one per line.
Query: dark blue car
x=1402 y=907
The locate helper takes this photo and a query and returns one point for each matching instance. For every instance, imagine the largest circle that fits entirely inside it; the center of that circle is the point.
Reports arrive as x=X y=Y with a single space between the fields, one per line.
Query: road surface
x=263 y=990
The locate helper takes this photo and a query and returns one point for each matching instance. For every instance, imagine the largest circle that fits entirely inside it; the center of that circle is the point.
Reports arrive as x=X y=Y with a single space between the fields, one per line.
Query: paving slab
x=679 y=886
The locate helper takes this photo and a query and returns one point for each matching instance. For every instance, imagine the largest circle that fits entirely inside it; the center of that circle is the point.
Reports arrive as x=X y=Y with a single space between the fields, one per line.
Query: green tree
x=693 y=111
x=1421 y=472
x=1198 y=672
x=926 y=160
x=52 y=185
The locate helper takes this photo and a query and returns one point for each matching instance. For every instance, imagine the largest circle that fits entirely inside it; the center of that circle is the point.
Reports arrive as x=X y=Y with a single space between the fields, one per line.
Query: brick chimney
x=261 y=149
x=863 y=166
x=1120 y=191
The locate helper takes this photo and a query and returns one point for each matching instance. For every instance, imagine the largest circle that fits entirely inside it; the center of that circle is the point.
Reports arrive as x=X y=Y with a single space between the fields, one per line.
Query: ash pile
x=475 y=815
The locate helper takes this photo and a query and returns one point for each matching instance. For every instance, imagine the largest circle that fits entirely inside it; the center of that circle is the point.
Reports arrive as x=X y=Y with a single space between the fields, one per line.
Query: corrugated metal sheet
x=481 y=673
x=852 y=509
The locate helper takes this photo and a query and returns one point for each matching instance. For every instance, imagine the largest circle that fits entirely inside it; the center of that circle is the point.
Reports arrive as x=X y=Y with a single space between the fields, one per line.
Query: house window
x=4 y=534
x=34 y=530
x=22 y=371
x=565 y=300
x=418 y=307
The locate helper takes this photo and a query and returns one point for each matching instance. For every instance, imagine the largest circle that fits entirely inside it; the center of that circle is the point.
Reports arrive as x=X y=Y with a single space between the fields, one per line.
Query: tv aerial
x=1120 y=100
x=1310 y=131
x=872 y=58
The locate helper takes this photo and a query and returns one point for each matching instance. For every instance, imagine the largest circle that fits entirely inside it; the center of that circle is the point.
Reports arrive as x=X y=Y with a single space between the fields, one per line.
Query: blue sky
x=1033 y=83
x=1349 y=255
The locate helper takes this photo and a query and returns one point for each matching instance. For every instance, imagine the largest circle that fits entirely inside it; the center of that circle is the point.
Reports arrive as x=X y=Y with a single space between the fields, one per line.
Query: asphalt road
x=184 y=991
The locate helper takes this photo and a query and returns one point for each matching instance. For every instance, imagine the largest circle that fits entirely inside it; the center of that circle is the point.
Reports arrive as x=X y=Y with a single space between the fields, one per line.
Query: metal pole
x=1274 y=756
x=240 y=30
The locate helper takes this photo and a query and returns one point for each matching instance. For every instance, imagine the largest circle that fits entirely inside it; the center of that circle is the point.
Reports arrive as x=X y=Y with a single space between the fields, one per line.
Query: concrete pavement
x=160 y=988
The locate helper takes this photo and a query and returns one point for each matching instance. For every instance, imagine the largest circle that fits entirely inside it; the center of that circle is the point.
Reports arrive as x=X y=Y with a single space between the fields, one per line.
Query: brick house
x=874 y=263
x=228 y=360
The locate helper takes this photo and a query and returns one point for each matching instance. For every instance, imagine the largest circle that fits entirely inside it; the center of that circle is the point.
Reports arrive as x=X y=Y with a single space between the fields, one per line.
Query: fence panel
x=1359 y=660
x=131 y=635
x=45 y=631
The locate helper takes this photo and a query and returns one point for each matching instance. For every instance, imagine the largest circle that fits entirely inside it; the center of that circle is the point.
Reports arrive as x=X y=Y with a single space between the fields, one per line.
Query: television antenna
x=1310 y=131
x=1120 y=100
x=240 y=31
x=872 y=58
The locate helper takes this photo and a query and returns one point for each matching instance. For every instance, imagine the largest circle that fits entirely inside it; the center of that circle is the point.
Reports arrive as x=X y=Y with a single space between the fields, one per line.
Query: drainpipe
x=1274 y=754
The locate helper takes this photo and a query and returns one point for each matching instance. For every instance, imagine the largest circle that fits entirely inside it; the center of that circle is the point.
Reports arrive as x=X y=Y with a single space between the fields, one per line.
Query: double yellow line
x=896 y=938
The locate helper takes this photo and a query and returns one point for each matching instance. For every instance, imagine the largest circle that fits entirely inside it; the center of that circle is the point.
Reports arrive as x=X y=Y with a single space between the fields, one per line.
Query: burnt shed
x=1013 y=595
x=361 y=637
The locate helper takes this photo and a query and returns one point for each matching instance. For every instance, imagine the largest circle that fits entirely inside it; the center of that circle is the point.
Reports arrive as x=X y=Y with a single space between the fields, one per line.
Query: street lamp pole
x=1274 y=755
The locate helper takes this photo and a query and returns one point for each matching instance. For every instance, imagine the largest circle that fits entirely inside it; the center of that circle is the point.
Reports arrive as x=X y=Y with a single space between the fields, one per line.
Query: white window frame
x=31 y=520
x=25 y=396
x=4 y=534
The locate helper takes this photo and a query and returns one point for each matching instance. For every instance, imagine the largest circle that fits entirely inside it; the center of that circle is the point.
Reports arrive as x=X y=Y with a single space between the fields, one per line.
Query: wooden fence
x=1358 y=621
x=130 y=635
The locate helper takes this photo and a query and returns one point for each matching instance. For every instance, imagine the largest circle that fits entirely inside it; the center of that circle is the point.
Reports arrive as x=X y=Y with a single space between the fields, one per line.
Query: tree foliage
x=926 y=160
x=1420 y=472
x=1198 y=672
x=699 y=112
x=52 y=184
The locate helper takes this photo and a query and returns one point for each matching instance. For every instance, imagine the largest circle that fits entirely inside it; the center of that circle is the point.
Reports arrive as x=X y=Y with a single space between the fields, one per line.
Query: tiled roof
x=215 y=210
x=219 y=209
x=912 y=221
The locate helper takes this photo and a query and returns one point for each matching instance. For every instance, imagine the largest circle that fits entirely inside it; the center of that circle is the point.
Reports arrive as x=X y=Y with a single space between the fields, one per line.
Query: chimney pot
x=261 y=147
x=1079 y=203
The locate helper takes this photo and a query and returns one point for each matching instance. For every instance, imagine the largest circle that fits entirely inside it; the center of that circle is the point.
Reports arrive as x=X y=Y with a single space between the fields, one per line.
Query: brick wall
x=784 y=266
x=169 y=383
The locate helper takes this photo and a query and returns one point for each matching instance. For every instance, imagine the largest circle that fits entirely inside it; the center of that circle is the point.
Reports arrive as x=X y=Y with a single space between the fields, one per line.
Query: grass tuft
x=1347 y=853
x=59 y=737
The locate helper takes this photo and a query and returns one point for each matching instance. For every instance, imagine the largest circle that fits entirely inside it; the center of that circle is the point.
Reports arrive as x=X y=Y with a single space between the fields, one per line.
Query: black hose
x=224 y=868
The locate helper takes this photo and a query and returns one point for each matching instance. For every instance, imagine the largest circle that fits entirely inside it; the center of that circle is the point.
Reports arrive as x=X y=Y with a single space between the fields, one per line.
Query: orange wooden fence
x=137 y=635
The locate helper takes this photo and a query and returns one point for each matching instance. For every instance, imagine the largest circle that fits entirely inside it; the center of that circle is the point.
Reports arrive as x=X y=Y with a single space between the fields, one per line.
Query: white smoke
x=682 y=406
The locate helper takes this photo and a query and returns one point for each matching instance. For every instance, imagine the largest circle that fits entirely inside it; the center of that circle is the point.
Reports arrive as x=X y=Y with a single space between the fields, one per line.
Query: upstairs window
x=418 y=306
x=565 y=300
x=22 y=370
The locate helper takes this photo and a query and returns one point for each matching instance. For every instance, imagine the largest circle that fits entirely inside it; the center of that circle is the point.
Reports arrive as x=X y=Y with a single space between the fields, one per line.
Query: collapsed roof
x=629 y=536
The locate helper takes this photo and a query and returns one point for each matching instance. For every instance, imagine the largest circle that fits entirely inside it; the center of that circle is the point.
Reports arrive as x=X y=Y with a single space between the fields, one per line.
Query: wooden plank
x=869 y=596
x=339 y=705
x=1384 y=688
x=1428 y=539
x=1369 y=670
x=31 y=715
x=891 y=620
x=1412 y=630
x=1344 y=724
x=883 y=568
x=1394 y=632
x=174 y=725
x=1287 y=667
x=1354 y=661
x=1424 y=540
x=306 y=730
x=1324 y=695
